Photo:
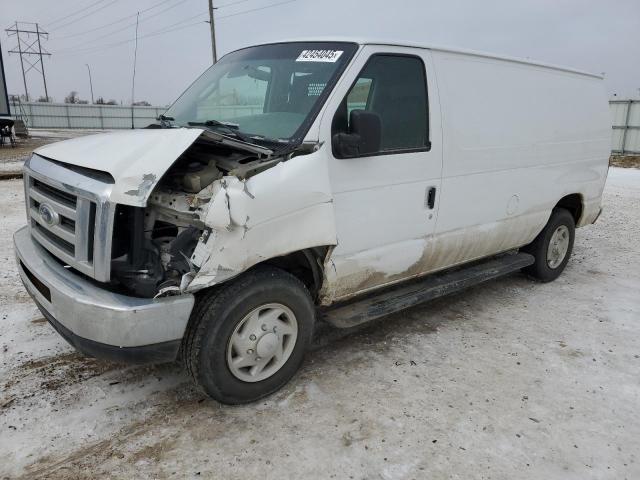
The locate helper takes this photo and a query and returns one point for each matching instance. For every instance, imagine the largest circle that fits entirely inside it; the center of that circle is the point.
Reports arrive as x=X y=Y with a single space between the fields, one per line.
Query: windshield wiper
x=229 y=127
x=165 y=122
x=270 y=141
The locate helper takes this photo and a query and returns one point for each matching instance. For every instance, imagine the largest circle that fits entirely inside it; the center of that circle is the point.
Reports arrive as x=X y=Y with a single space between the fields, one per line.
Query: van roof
x=371 y=41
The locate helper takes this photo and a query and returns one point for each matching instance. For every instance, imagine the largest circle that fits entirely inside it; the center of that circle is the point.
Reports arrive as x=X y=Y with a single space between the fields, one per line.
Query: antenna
x=90 y=83
x=133 y=80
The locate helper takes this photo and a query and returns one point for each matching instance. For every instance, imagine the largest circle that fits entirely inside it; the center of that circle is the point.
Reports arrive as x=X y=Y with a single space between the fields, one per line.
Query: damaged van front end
x=124 y=227
x=113 y=258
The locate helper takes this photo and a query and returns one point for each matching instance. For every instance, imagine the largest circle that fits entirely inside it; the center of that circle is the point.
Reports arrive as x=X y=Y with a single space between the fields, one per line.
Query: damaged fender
x=279 y=211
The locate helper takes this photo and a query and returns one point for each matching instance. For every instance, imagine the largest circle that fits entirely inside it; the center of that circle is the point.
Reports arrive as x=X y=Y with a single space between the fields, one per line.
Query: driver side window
x=394 y=87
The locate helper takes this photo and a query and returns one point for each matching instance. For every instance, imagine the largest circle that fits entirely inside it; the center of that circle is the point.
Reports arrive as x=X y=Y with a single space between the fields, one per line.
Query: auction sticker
x=329 y=56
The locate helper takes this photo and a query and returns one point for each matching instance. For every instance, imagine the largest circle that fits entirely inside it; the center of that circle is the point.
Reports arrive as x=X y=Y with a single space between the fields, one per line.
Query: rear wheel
x=552 y=247
x=248 y=338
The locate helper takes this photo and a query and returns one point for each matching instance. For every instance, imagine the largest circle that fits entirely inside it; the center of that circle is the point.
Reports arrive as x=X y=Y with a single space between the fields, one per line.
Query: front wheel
x=552 y=247
x=248 y=338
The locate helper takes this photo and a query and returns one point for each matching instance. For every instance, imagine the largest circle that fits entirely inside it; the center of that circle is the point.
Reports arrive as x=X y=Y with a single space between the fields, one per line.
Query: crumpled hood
x=136 y=159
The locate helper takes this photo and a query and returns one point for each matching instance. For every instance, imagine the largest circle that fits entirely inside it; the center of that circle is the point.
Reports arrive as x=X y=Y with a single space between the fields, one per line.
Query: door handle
x=431 y=197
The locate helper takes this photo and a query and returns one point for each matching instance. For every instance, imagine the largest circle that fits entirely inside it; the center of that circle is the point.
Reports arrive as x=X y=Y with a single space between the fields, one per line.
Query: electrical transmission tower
x=29 y=44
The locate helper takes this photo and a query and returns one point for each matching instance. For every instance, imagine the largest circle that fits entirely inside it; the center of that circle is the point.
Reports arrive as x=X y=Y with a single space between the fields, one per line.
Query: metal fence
x=625 y=115
x=63 y=115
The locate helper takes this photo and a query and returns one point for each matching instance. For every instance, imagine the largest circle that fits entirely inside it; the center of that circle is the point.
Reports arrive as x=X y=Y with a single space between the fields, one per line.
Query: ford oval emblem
x=48 y=215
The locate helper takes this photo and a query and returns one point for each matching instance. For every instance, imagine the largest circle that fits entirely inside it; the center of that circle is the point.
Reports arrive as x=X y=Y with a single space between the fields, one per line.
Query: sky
x=174 y=44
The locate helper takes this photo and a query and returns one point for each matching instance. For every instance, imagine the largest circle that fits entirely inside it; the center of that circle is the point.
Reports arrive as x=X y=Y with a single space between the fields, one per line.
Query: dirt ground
x=626 y=161
x=12 y=158
x=512 y=379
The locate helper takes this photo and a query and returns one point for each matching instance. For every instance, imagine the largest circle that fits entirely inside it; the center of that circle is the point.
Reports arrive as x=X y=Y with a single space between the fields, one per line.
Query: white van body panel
x=517 y=139
x=383 y=224
x=514 y=138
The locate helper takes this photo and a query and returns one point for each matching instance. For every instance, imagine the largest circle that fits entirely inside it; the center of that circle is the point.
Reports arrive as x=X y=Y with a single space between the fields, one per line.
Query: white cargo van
x=342 y=180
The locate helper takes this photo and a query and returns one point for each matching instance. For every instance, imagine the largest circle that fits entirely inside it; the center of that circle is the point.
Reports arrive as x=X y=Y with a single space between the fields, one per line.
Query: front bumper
x=96 y=321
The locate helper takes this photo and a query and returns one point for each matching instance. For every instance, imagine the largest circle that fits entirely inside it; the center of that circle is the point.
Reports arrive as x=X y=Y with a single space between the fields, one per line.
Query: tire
x=236 y=314
x=548 y=266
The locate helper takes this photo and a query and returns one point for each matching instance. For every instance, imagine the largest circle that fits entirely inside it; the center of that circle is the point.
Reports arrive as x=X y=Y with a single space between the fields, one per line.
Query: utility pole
x=133 y=80
x=27 y=47
x=212 y=22
x=90 y=83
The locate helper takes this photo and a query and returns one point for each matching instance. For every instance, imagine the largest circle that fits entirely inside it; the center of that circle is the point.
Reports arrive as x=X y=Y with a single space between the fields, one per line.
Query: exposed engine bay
x=152 y=246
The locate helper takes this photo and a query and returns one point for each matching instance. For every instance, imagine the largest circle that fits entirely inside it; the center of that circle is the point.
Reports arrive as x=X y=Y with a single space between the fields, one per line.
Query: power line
x=91 y=30
x=166 y=29
x=231 y=4
x=92 y=48
x=75 y=13
x=108 y=34
x=85 y=15
x=256 y=9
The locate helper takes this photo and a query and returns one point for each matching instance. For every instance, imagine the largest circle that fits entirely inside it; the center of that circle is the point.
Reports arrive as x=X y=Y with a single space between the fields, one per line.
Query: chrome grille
x=69 y=215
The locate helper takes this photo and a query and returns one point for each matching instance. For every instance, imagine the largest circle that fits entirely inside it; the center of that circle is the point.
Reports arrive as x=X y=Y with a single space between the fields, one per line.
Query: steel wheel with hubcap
x=552 y=247
x=262 y=342
x=248 y=337
x=558 y=246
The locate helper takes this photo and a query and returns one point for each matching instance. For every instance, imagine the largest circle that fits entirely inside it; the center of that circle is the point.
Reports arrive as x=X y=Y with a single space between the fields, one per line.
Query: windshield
x=266 y=92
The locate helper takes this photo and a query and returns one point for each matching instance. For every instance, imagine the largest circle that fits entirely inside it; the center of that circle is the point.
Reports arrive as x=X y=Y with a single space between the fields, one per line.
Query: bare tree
x=18 y=98
x=72 y=97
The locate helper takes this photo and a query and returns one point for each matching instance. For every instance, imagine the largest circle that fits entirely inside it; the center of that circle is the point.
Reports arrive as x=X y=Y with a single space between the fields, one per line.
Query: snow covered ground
x=512 y=379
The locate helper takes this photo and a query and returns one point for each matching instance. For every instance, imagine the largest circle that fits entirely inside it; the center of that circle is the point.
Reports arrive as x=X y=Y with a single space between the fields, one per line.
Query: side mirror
x=364 y=137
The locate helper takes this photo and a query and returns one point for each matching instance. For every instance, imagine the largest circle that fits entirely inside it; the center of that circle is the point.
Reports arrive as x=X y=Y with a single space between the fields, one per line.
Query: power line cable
x=85 y=15
x=232 y=4
x=256 y=9
x=74 y=13
x=125 y=27
x=154 y=33
x=166 y=29
x=123 y=42
x=91 y=30
x=132 y=24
